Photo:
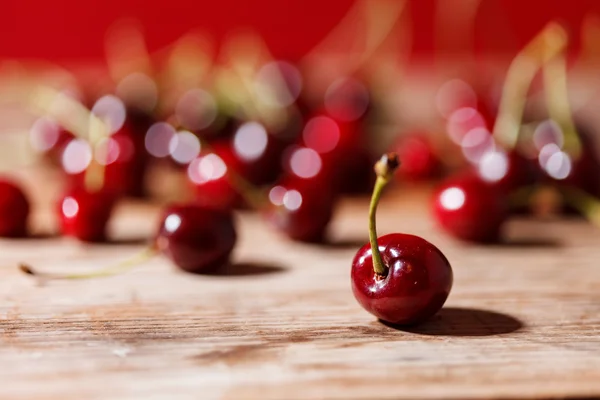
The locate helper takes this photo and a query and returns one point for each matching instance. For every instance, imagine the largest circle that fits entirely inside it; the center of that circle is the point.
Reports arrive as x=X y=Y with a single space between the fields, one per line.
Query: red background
x=63 y=30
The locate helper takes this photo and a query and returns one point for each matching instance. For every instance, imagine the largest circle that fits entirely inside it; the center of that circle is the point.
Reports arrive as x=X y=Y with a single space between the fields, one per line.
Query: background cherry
x=14 y=210
x=196 y=238
x=470 y=209
x=420 y=162
x=85 y=214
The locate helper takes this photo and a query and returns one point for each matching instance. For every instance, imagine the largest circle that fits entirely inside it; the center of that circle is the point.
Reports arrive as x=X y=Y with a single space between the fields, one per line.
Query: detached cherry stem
x=384 y=168
x=112 y=270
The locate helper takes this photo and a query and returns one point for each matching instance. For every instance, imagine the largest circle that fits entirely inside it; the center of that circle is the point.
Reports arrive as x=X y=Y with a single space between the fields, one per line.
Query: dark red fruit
x=125 y=163
x=419 y=160
x=401 y=279
x=301 y=209
x=212 y=175
x=301 y=204
x=197 y=239
x=416 y=285
x=342 y=149
x=85 y=215
x=470 y=209
x=507 y=171
x=14 y=210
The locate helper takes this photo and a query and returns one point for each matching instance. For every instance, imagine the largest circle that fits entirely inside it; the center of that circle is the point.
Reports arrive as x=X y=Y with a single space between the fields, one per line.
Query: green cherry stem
x=557 y=101
x=112 y=270
x=547 y=44
x=384 y=168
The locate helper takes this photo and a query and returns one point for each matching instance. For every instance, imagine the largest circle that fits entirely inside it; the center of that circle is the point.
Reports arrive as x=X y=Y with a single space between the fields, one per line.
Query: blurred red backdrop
x=63 y=30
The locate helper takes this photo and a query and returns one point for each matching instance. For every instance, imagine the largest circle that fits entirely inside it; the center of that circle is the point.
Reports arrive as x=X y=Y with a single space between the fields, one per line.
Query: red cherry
x=342 y=149
x=125 y=172
x=507 y=171
x=301 y=204
x=124 y=158
x=300 y=209
x=470 y=208
x=416 y=285
x=399 y=278
x=85 y=215
x=197 y=239
x=14 y=210
x=211 y=177
x=419 y=160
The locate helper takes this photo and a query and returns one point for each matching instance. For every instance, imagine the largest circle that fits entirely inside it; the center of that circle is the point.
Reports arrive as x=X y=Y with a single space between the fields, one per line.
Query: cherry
x=298 y=209
x=211 y=175
x=470 y=208
x=301 y=204
x=14 y=210
x=196 y=238
x=401 y=279
x=508 y=171
x=340 y=144
x=124 y=159
x=420 y=162
x=85 y=214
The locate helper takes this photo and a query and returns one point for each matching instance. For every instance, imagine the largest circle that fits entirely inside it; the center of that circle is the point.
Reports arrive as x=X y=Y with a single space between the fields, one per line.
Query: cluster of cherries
x=292 y=169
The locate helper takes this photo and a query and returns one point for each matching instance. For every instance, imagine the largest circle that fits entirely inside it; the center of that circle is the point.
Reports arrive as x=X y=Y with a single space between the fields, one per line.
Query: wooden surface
x=522 y=321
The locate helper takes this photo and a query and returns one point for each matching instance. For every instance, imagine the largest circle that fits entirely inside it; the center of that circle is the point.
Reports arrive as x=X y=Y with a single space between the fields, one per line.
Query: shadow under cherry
x=457 y=321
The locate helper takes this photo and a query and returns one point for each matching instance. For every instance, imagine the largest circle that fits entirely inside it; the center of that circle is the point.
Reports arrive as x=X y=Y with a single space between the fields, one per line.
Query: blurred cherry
x=508 y=171
x=124 y=159
x=301 y=204
x=470 y=209
x=85 y=214
x=14 y=209
x=197 y=239
x=419 y=159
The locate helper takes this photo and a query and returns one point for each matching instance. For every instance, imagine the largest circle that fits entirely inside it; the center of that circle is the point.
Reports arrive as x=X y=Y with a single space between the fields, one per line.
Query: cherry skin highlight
x=196 y=239
x=85 y=215
x=470 y=209
x=14 y=210
x=417 y=283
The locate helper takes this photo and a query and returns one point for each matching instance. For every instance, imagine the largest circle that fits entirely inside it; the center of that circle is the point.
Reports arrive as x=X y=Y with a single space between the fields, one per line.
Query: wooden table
x=522 y=321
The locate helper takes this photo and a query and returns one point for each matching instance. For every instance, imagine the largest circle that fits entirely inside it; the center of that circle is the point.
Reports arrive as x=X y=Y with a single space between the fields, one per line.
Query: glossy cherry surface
x=85 y=215
x=14 y=210
x=470 y=209
x=416 y=285
x=197 y=239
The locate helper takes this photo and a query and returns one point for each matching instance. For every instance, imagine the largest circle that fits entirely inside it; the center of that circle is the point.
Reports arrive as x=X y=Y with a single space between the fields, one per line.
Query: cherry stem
x=384 y=168
x=545 y=46
x=117 y=269
x=557 y=101
x=583 y=202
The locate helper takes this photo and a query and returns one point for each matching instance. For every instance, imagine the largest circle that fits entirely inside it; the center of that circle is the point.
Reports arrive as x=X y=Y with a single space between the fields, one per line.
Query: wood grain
x=523 y=320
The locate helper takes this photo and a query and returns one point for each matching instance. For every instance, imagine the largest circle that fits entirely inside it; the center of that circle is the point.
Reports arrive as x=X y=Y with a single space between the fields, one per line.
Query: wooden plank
x=522 y=321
